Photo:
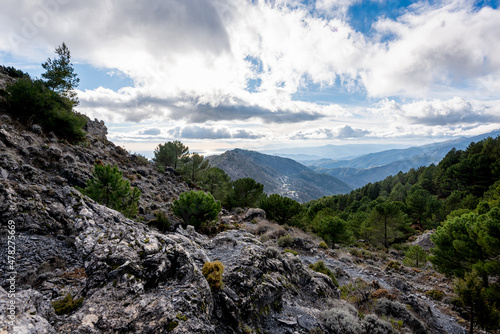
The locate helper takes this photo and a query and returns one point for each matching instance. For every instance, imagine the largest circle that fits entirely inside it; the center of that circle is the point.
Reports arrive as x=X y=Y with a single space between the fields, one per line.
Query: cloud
x=151 y=132
x=436 y=112
x=244 y=134
x=247 y=62
x=345 y=132
x=133 y=105
x=432 y=48
x=200 y=132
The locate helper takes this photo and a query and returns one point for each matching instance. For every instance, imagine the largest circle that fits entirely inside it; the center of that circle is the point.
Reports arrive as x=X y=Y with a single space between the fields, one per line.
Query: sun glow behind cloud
x=242 y=73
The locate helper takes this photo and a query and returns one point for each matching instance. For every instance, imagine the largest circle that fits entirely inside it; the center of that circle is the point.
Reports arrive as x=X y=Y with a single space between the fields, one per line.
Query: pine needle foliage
x=196 y=208
x=109 y=188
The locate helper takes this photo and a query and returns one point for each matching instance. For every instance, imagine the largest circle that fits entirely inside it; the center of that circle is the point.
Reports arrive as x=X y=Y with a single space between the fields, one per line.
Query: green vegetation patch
x=320 y=267
x=67 y=304
x=213 y=273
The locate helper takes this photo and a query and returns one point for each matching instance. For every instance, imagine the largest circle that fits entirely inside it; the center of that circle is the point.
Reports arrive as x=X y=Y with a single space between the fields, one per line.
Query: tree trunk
x=385 y=232
x=471 y=329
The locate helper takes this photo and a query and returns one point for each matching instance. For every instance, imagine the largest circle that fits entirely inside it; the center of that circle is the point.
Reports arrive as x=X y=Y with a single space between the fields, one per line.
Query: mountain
x=376 y=166
x=76 y=266
x=329 y=151
x=80 y=267
x=279 y=175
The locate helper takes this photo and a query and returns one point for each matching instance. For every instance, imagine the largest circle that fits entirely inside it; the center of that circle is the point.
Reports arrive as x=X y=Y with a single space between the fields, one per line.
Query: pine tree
x=415 y=256
x=215 y=181
x=60 y=76
x=171 y=154
x=110 y=189
x=279 y=208
x=245 y=193
x=196 y=208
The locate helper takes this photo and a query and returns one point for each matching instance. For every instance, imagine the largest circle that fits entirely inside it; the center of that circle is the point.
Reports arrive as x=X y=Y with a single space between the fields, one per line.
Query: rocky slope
x=127 y=277
x=132 y=278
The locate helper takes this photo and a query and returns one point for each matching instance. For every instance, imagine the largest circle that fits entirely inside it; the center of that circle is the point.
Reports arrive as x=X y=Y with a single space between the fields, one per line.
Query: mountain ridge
x=279 y=175
x=374 y=167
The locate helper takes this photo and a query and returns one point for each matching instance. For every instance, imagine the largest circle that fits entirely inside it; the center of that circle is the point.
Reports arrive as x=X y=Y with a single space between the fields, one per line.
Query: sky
x=222 y=74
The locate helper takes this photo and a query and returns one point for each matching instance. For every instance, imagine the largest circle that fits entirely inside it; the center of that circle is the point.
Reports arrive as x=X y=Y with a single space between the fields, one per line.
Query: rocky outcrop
x=83 y=268
x=128 y=276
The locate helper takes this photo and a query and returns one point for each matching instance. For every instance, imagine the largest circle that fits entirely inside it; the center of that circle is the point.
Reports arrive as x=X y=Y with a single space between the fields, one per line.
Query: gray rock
x=37 y=129
x=30 y=313
x=254 y=213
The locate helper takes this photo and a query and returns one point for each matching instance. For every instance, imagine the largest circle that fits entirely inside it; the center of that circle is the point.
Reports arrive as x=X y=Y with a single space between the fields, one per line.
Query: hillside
x=112 y=274
x=279 y=175
x=374 y=167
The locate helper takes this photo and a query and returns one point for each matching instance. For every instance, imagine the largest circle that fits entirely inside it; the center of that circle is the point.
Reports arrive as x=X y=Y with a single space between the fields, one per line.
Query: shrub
x=109 y=188
x=213 y=273
x=382 y=293
x=31 y=102
x=399 y=311
x=272 y=252
x=291 y=251
x=415 y=256
x=196 y=208
x=357 y=292
x=161 y=222
x=396 y=265
x=140 y=159
x=435 y=294
x=374 y=325
x=320 y=267
x=279 y=208
x=342 y=319
x=285 y=241
x=264 y=238
x=323 y=245
x=66 y=305
x=262 y=227
x=13 y=72
x=277 y=233
x=245 y=193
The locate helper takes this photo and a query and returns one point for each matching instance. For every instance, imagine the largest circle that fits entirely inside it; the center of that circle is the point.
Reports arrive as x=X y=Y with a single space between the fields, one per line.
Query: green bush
x=415 y=256
x=140 y=159
x=321 y=267
x=323 y=245
x=285 y=241
x=170 y=154
x=332 y=229
x=280 y=209
x=196 y=208
x=393 y=264
x=66 y=305
x=161 y=222
x=13 y=72
x=291 y=251
x=31 y=102
x=213 y=273
x=109 y=188
x=435 y=294
x=245 y=193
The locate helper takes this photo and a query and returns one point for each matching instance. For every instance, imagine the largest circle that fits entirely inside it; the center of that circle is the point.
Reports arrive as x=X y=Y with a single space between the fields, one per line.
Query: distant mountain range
x=279 y=175
x=343 y=152
x=377 y=166
x=316 y=178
